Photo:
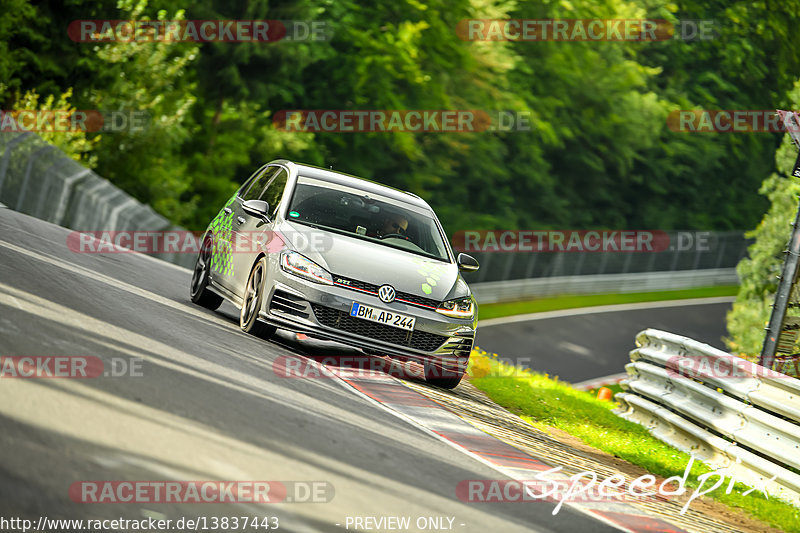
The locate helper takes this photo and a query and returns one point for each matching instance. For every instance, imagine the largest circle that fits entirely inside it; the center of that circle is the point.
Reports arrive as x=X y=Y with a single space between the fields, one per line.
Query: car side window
x=272 y=195
x=259 y=183
x=249 y=181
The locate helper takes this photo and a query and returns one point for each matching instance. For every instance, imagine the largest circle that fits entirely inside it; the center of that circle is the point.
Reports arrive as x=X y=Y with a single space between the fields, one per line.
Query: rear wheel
x=198 y=290
x=252 y=301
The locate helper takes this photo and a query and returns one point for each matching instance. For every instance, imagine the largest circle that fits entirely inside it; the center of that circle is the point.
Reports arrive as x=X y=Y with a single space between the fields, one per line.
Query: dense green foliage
x=599 y=152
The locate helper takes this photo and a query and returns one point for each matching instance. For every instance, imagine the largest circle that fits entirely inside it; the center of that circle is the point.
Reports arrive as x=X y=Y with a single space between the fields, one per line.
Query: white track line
x=603 y=309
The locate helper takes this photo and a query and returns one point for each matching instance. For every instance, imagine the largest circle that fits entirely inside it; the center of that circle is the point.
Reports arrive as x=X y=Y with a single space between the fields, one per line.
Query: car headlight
x=458 y=308
x=305 y=268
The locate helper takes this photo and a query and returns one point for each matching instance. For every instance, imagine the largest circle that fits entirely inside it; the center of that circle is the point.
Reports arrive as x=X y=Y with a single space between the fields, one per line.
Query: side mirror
x=467 y=263
x=256 y=208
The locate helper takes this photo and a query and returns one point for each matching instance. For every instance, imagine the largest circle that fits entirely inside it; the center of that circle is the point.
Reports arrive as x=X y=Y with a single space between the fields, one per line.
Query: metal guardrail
x=520 y=289
x=38 y=179
x=738 y=417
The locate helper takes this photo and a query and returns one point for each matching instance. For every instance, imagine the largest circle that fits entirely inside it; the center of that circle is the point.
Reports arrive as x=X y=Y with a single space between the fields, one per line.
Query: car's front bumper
x=323 y=311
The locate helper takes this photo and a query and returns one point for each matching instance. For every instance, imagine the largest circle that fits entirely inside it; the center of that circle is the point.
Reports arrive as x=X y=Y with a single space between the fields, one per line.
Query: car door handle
x=228 y=210
x=240 y=220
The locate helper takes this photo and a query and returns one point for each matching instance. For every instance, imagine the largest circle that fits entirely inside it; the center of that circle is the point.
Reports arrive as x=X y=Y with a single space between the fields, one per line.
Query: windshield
x=366 y=216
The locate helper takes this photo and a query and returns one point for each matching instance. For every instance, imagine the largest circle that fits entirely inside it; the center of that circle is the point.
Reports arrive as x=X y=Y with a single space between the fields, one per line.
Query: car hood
x=374 y=263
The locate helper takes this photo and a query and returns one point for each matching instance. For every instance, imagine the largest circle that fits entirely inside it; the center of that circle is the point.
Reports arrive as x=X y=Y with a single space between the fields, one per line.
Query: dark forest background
x=598 y=154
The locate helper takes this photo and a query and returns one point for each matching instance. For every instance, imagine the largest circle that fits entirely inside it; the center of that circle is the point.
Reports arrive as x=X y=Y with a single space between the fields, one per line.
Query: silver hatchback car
x=340 y=258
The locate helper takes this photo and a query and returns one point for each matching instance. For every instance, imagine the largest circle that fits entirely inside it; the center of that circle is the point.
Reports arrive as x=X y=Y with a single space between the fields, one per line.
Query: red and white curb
x=392 y=395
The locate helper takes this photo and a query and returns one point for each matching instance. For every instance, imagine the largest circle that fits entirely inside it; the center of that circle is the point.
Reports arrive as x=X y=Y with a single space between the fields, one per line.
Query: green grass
x=547 y=402
x=553 y=303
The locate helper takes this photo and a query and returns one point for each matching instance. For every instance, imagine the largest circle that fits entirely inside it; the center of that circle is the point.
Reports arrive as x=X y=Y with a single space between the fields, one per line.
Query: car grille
x=418 y=340
x=359 y=285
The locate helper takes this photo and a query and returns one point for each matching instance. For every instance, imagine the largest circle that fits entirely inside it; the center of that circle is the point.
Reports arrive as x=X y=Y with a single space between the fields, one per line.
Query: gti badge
x=386 y=293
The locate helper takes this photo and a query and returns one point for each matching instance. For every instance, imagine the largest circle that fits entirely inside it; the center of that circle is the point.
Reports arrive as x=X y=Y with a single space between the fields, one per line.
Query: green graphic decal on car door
x=222 y=226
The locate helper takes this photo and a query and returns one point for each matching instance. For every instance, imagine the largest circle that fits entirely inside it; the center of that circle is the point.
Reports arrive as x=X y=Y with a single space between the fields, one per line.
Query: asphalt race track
x=579 y=345
x=204 y=402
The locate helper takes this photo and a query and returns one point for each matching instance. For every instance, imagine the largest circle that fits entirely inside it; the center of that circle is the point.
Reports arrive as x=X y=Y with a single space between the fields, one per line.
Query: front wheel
x=252 y=301
x=444 y=378
x=198 y=290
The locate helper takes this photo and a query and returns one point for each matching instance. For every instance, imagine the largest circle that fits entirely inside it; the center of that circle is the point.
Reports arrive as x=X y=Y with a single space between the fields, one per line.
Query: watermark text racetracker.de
x=198 y=31
x=584 y=30
x=580 y=241
x=401 y=120
x=188 y=242
x=200 y=491
x=69 y=366
x=724 y=366
x=364 y=367
x=729 y=121
x=71 y=121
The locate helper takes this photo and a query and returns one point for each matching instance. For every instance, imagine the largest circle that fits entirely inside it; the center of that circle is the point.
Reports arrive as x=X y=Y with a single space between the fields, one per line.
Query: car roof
x=341 y=178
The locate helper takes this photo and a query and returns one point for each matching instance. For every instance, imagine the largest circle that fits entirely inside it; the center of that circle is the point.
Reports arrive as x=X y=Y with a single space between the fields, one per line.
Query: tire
x=198 y=290
x=252 y=300
x=444 y=379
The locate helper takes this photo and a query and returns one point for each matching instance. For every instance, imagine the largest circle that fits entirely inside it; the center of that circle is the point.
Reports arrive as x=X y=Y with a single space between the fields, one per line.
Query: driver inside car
x=397 y=225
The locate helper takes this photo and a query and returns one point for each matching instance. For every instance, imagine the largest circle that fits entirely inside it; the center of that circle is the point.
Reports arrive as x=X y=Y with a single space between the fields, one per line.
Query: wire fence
x=690 y=250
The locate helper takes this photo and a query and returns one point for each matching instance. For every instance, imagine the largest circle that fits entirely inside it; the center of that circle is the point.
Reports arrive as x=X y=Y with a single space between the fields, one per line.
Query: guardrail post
x=789 y=270
x=787 y=281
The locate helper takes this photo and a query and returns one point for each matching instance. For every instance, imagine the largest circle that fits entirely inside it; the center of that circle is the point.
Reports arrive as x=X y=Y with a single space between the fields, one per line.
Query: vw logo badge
x=386 y=293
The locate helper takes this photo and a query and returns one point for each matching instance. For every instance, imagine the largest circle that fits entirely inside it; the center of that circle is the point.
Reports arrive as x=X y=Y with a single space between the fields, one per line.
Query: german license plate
x=382 y=316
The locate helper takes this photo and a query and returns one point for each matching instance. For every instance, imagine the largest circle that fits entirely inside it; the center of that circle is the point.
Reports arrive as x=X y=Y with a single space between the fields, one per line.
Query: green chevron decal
x=222 y=225
x=431 y=272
